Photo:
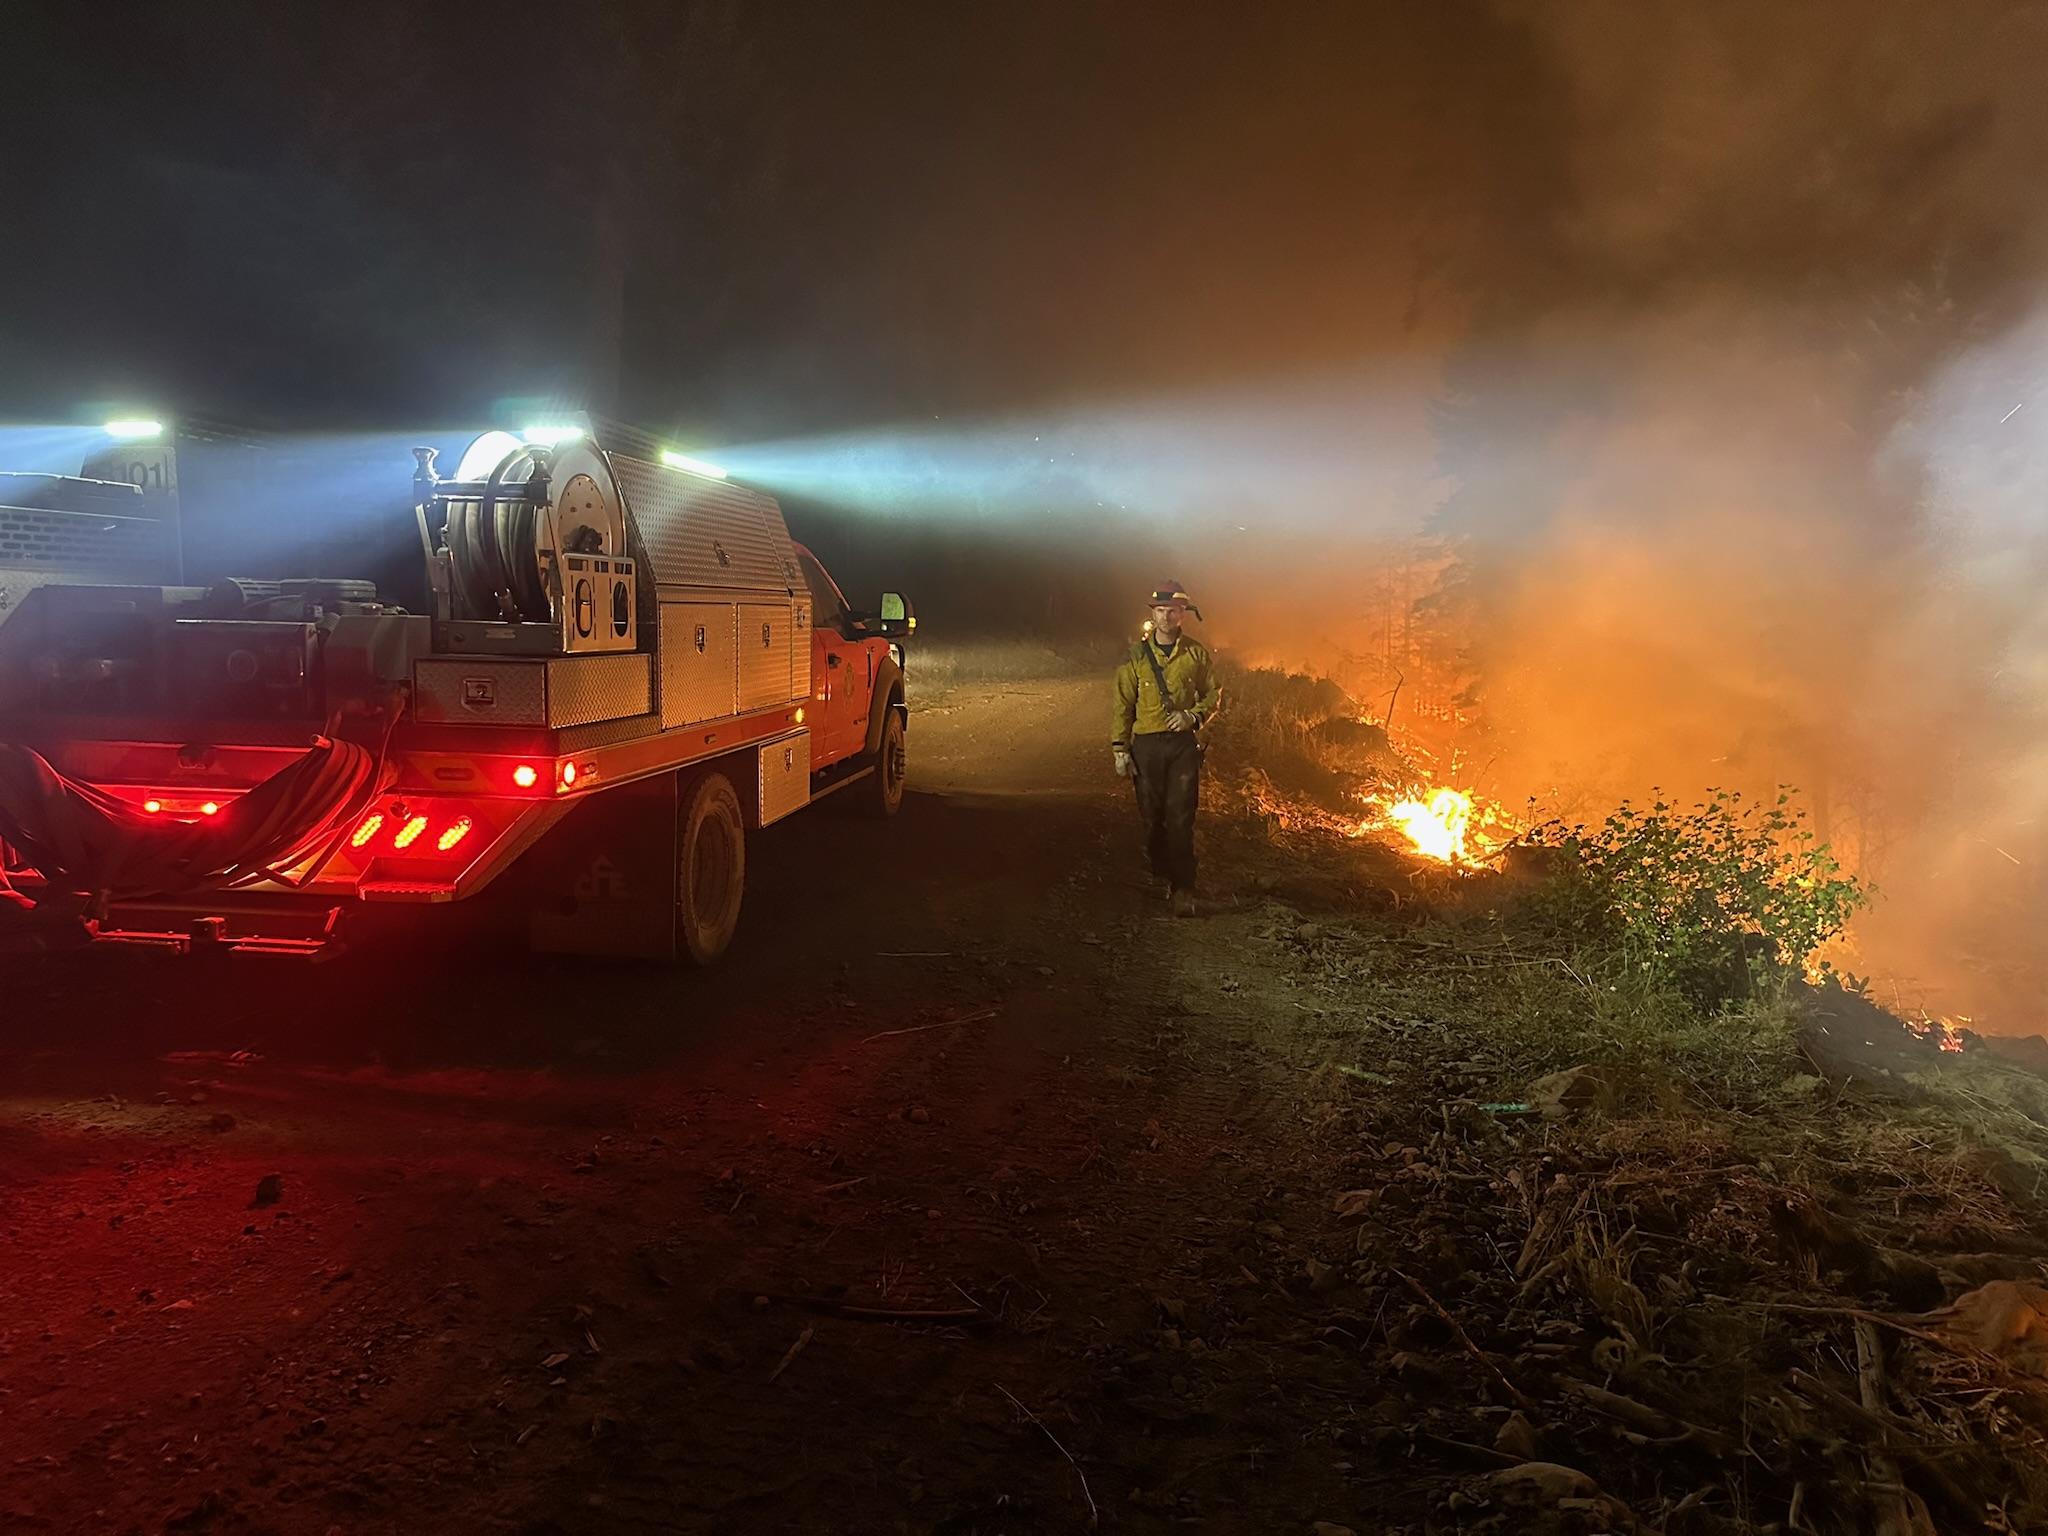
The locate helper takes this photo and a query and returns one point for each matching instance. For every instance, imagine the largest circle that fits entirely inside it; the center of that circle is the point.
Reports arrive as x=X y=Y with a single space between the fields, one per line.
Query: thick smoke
x=1729 y=475
x=1744 y=491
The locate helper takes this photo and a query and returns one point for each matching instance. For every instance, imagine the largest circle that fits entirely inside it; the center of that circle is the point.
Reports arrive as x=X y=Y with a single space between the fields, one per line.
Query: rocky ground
x=973 y=1194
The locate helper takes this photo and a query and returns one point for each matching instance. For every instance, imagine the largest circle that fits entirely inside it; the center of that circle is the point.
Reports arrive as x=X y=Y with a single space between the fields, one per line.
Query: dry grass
x=1728 y=1288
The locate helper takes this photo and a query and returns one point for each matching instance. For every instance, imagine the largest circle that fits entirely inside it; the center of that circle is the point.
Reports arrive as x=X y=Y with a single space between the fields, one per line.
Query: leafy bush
x=1721 y=900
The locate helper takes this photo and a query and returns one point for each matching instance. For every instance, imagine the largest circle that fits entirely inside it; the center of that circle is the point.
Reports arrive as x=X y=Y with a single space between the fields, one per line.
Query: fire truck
x=625 y=664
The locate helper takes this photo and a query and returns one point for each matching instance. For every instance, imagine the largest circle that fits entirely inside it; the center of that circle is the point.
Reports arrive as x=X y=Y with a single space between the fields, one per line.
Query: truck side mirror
x=894 y=617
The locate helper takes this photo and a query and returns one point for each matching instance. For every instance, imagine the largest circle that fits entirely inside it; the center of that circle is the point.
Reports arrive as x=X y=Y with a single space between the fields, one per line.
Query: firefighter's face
x=1166 y=620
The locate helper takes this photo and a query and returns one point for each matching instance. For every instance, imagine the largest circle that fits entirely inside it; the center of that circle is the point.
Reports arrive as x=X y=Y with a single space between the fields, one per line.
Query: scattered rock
x=1516 y=1437
x=1544 y=1486
x=917 y=1114
x=221 y=1123
x=1322 y=1278
x=269 y=1189
x=1354 y=1202
x=1574 y=1091
x=1415 y=1369
x=1542 y=1482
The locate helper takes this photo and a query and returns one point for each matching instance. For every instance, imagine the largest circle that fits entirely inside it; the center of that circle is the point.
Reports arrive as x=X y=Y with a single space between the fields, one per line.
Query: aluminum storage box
x=551 y=691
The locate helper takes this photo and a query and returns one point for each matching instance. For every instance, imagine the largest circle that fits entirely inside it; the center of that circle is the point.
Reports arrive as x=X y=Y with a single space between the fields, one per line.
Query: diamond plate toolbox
x=766 y=660
x=698 y=673
x=784 y=785
x=552 y=691
x=707 y=533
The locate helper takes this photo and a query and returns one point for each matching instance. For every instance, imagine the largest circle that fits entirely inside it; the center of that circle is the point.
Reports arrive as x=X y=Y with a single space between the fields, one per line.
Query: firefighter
x=1165 y=692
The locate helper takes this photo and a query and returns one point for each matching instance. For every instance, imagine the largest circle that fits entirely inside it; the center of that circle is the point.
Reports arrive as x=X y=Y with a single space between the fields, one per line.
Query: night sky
x=765 y=220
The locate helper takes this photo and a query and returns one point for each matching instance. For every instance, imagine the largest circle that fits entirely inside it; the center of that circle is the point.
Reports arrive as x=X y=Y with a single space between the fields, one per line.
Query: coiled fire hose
x=81 y=838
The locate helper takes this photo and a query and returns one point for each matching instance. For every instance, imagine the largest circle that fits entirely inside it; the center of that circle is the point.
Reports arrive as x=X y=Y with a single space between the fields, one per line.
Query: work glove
x=1120 y=759
x=1183 y=720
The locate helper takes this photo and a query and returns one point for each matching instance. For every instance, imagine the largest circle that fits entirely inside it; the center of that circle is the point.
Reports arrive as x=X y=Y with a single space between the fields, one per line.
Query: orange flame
x=1437 y=825
x=1444 y=824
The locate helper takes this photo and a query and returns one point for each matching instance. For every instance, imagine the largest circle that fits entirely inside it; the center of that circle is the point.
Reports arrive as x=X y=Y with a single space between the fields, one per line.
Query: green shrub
x=1722 y=900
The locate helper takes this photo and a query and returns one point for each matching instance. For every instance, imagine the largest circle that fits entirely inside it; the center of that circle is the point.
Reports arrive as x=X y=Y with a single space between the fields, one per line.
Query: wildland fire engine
x=627 y=663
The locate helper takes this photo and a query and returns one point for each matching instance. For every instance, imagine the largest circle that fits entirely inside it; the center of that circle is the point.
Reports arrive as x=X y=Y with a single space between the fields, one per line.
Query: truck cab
x=849 y=653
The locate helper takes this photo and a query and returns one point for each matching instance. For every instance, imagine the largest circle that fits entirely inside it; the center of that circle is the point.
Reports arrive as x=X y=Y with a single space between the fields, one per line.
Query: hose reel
x=538 y=535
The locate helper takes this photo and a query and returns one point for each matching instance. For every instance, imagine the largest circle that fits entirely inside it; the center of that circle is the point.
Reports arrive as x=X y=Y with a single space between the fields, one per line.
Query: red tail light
x=152 y=806
x=454 y=834
x=409 y=833
x=367 y=830
x=211 y=808
x=526 y=775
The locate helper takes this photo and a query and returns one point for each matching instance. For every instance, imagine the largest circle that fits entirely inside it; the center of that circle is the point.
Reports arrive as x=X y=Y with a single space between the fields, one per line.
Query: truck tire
x=711 y=874
x=881 y=792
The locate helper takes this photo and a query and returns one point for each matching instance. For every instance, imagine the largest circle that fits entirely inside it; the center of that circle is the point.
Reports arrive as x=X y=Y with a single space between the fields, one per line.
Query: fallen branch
x=1521 y=1398
x=1884 y=1320
x=1898 y=1511
x=1093 y=1514
x=1644 y=1417
x=918 y=1029
x=794 y=1350
x=827 y=1307
x=1888 y=1432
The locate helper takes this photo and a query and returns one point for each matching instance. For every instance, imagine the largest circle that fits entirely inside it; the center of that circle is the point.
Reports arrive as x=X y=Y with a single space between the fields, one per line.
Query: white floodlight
x=130 y=429
x=676 y=460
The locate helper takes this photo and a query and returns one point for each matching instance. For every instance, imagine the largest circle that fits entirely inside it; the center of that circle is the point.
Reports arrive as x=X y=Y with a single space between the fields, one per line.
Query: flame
x=1436 y=826
x=1445 y=824
x=1944 y=1032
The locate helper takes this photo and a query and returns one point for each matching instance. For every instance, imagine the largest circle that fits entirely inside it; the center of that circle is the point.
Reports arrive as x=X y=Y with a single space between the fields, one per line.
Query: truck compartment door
x=765 y=672
x=698 y=667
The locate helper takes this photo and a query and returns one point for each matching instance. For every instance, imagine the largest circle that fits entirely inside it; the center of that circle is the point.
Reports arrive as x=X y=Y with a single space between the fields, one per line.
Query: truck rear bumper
x=278 y=923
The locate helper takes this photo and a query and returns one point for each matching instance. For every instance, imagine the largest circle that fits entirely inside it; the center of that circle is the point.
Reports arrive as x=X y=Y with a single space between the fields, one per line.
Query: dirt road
x=968 y=1195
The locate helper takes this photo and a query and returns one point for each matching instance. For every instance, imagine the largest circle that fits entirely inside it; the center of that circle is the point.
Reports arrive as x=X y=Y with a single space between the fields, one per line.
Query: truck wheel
x=711 y=875
x=881 y=792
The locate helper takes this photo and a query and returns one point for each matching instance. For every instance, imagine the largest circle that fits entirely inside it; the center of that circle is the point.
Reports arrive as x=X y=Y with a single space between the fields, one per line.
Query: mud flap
x=603 y=882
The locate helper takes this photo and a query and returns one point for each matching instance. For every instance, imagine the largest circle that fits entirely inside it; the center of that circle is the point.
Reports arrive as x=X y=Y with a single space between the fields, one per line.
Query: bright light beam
x=1349 y=451
x=131 y=429
x=676 y=460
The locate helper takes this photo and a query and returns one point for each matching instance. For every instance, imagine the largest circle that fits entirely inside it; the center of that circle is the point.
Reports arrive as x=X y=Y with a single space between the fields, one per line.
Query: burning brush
x=1445 y=824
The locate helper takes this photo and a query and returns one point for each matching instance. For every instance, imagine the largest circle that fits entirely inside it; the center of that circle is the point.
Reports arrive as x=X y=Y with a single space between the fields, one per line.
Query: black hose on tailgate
x=80 y=838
